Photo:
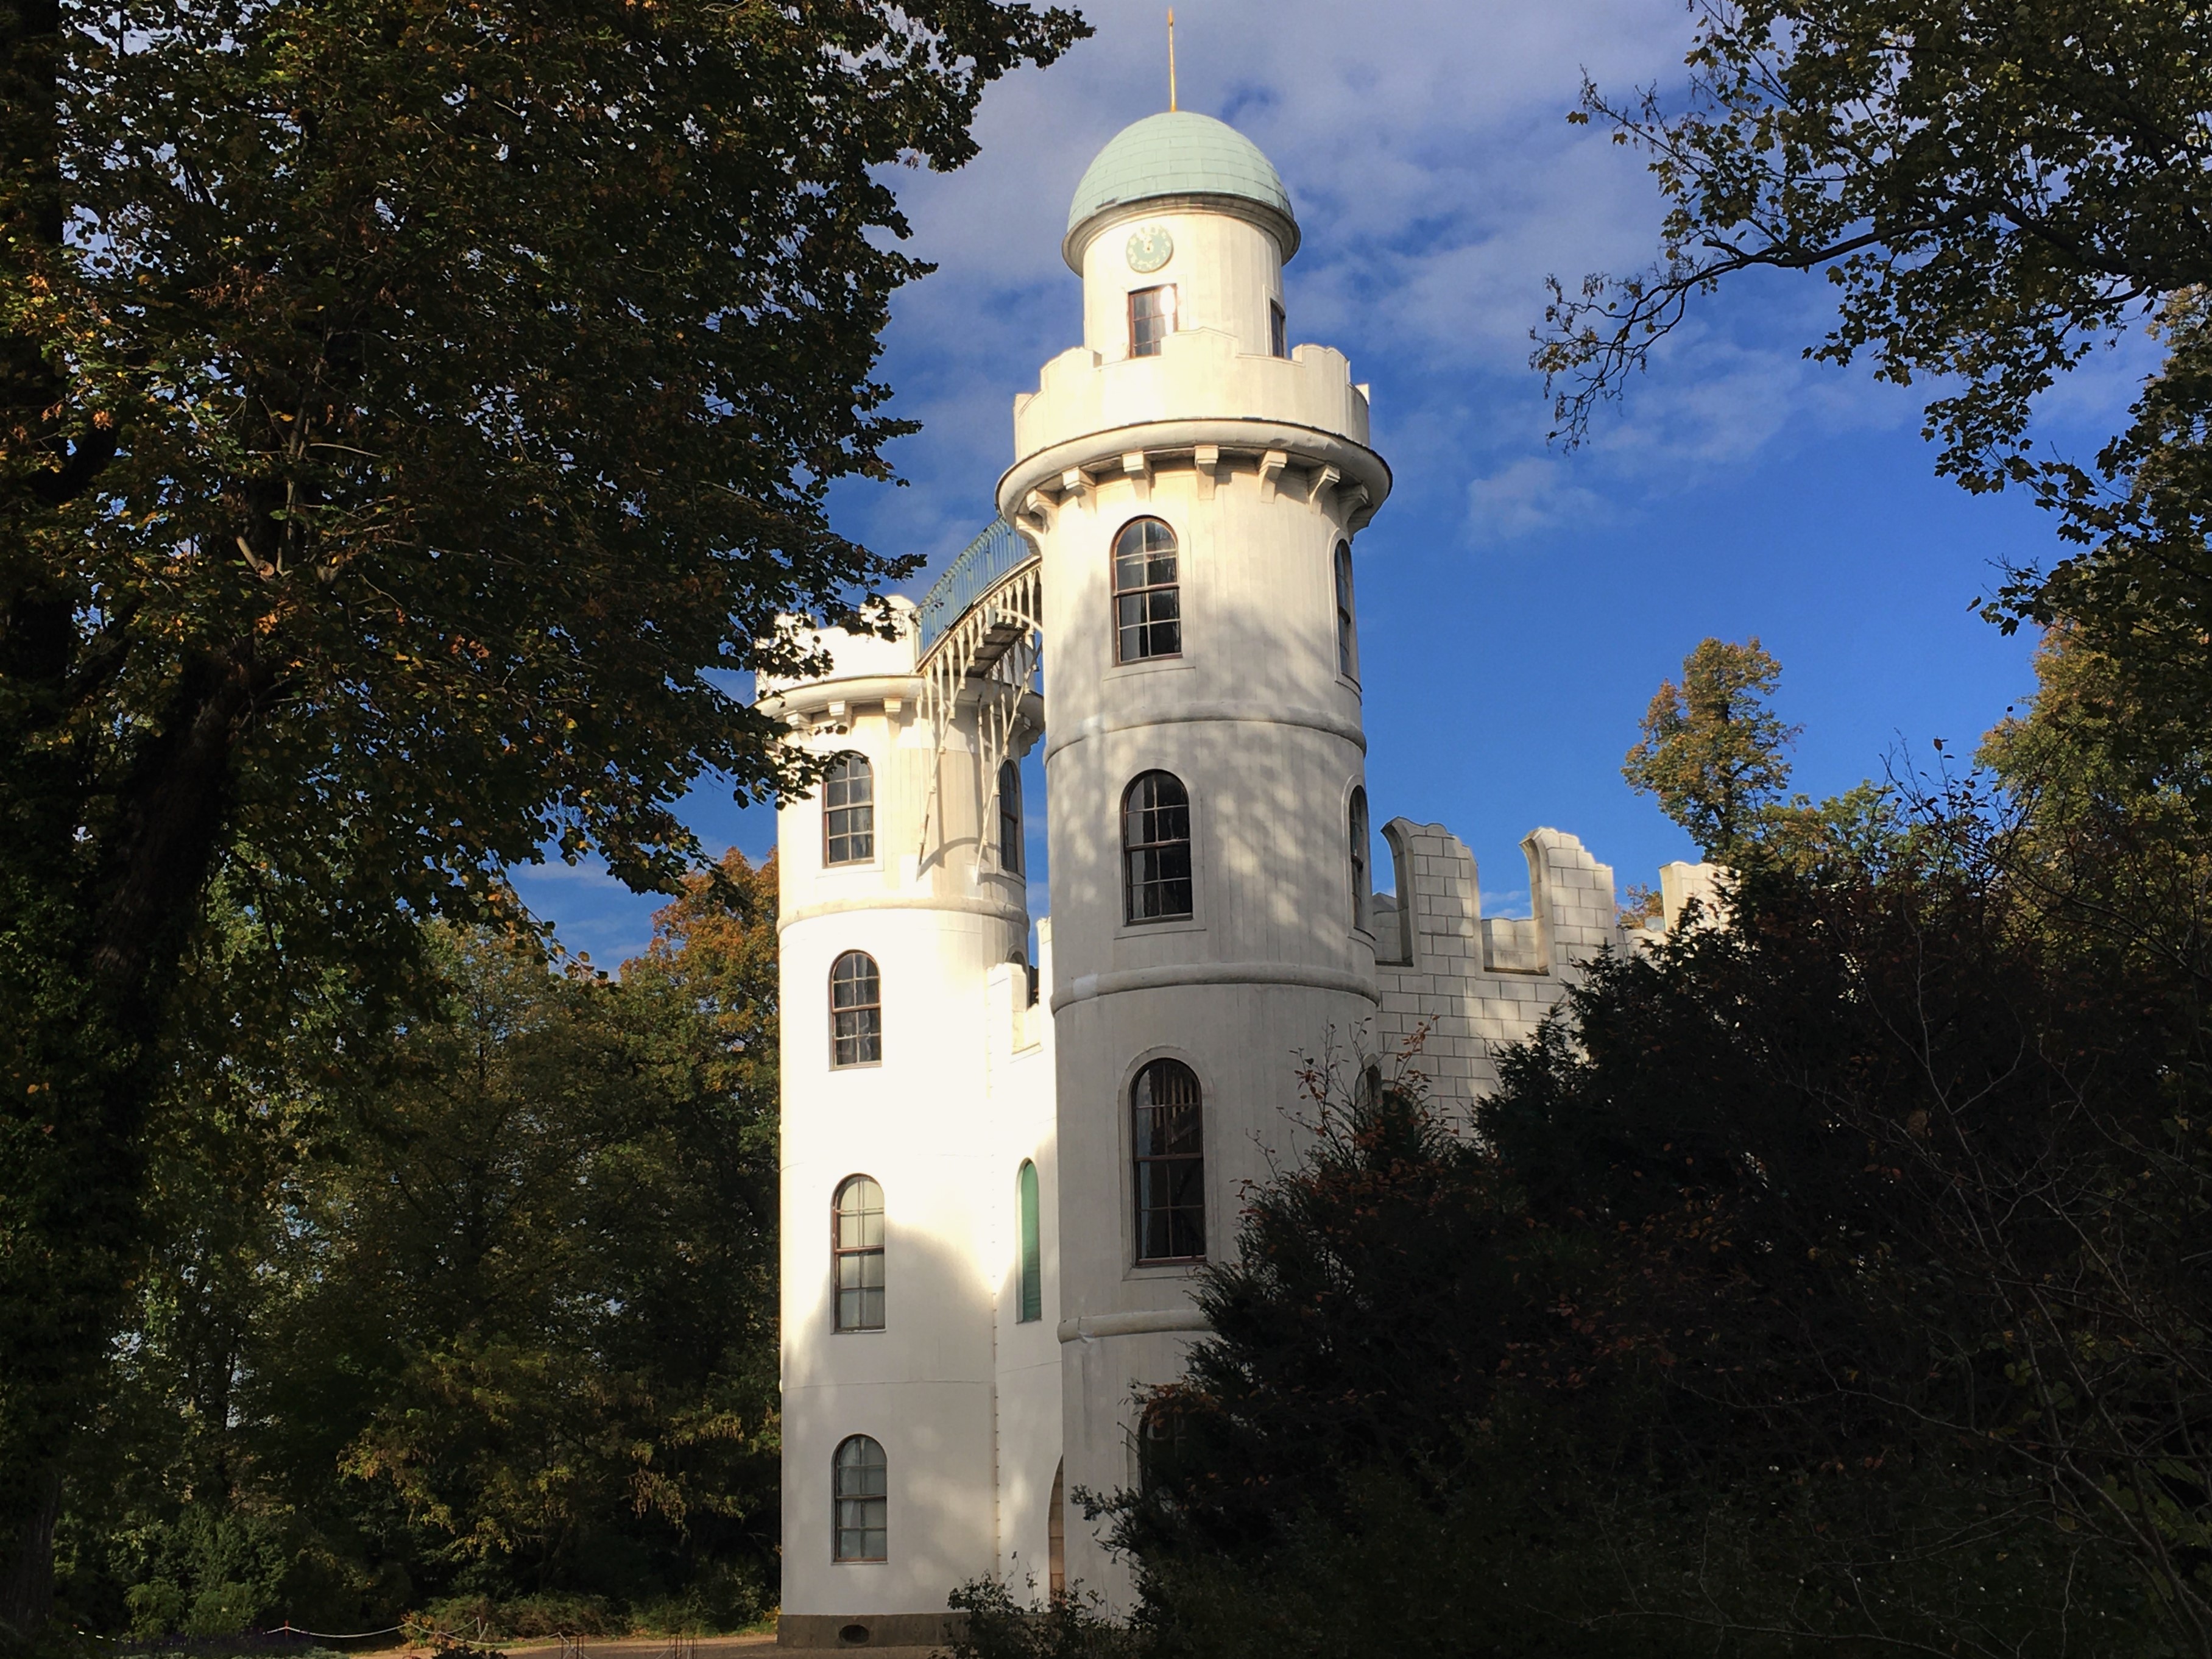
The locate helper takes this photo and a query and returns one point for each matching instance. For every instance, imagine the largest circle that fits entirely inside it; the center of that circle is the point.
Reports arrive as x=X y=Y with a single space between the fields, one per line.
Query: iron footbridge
x=982 y=643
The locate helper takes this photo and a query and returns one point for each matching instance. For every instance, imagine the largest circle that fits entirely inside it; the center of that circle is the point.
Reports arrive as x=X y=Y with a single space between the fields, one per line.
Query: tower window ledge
x=1146 y=929
x=1122 y=671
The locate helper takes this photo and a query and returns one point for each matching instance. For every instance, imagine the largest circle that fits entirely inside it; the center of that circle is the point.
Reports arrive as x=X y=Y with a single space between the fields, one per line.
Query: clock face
x=1149 y=247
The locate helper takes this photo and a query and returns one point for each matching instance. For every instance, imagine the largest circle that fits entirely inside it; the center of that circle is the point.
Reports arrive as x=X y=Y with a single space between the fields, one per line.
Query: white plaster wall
x=940 y=922
x=1225 y=272
x=1259 y=465
x=1028 y=1359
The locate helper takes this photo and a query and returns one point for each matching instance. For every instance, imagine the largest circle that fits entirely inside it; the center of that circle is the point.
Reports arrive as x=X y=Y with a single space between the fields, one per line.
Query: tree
x=1992 y=190
x=414 y=413
x=480 y=1319
x=1712 y=747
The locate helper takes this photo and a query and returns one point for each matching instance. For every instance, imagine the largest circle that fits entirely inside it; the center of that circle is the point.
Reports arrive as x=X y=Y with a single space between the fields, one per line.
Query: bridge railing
x=978 y=568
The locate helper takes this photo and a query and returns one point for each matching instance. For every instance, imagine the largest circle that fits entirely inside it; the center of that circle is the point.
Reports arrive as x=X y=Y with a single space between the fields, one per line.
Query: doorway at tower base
x=868 y=1630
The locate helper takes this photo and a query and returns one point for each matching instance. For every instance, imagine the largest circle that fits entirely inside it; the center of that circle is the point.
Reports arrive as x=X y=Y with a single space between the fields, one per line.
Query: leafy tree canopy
x=413 y=416
x=475 y=1316
x=1992 y=190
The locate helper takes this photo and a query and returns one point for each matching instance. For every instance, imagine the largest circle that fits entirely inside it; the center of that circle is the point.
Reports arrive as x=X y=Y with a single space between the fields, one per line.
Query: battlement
x=1199 y=374
x=1466 y=984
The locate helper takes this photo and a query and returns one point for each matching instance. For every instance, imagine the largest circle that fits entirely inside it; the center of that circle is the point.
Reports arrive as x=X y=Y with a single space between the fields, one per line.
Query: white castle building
x=999 y=1176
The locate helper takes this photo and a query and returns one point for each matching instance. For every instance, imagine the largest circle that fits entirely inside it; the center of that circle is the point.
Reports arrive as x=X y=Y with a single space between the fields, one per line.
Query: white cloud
x=1534 y=493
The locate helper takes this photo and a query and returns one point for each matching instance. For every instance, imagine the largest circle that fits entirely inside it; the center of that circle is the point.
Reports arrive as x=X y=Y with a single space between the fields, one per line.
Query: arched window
x=856 y=1250
x=1155 y=848
x=1147 y=602
x=849 y=811
x=1347 y=630
x=1169 y=1138
x=1032 y=1264
x=1055 y=1535
x=1361 y=886
x=1009 y=817
x=856 y=1011
x=859 y=1493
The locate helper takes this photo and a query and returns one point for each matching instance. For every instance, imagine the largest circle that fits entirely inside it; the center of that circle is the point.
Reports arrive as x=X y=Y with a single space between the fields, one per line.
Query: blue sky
x=1518 y=605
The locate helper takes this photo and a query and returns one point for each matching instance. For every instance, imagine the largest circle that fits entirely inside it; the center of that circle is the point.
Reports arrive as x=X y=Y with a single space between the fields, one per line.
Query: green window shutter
x=1032 y=1252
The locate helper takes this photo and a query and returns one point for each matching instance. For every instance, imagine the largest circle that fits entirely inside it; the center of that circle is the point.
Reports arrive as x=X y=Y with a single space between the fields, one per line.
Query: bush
x=1070 y=1627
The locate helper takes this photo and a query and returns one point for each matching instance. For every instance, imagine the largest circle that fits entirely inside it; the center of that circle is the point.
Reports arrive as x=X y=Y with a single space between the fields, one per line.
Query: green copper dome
x=1179 y=154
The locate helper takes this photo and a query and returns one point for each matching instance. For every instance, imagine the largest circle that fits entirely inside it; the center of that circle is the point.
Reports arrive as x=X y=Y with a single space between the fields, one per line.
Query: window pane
x=848 y=813
x=856 y=1232
x=1151 y=319
x=859 y=1485
x=1009 y=818
x=1168 y=1136
x=1347 y=634
x=1155 y=848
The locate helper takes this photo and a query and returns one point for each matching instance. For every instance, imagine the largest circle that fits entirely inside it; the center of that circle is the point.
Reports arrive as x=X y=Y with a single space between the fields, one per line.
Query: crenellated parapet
x=1295 y=424
x=1464 y=984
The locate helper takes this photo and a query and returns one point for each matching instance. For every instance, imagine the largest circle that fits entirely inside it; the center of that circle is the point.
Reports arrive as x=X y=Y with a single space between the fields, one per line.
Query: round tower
x=1194 y=484
x=902 y=900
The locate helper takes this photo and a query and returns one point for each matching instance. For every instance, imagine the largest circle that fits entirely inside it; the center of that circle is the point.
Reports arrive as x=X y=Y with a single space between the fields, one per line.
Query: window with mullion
x=856 y=1250
x=856 y=1012
x=859 y=1487
x=1151 y=319
x=1155 y=848
x=1148 y=592
x=1169 y=1139
x=849 y=811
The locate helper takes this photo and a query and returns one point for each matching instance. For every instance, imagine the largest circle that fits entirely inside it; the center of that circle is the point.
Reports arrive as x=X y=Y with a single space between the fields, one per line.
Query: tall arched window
x=856 y=1251
x=1147 y=601
x=1055 y=1535
x=860 y=1497
x=1155 y=848
x=849 y=811
x=1361 y=886
x=1032 y=1264
x=1347 y=628
x=1169 y=1138
x=856 y=1011
x=1009 y=817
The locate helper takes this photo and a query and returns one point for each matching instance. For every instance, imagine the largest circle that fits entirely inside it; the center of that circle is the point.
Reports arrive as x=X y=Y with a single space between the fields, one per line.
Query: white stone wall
x=1466 y=984
x=941 y=1125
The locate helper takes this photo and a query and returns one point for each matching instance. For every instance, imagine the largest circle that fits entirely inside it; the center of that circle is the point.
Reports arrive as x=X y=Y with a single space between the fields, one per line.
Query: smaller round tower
x=899 y=901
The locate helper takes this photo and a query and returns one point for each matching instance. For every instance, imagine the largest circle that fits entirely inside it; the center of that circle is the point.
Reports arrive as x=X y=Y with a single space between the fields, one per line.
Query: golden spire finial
x=1171 y=87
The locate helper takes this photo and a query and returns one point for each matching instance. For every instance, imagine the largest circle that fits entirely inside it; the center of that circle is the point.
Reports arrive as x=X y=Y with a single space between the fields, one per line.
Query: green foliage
x=429 y=416
x=1713 y=752
x=1071 y=1626
x=1711 y=748
x=1825 y=1281
x=474 y=1314
x=1989 y=189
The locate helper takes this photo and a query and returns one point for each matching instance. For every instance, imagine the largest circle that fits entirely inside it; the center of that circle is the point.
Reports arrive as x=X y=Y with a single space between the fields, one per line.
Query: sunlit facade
x=1007 y=1142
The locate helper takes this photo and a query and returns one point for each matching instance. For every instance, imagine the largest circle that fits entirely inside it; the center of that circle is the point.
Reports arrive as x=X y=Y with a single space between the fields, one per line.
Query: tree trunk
x=27 y=1593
